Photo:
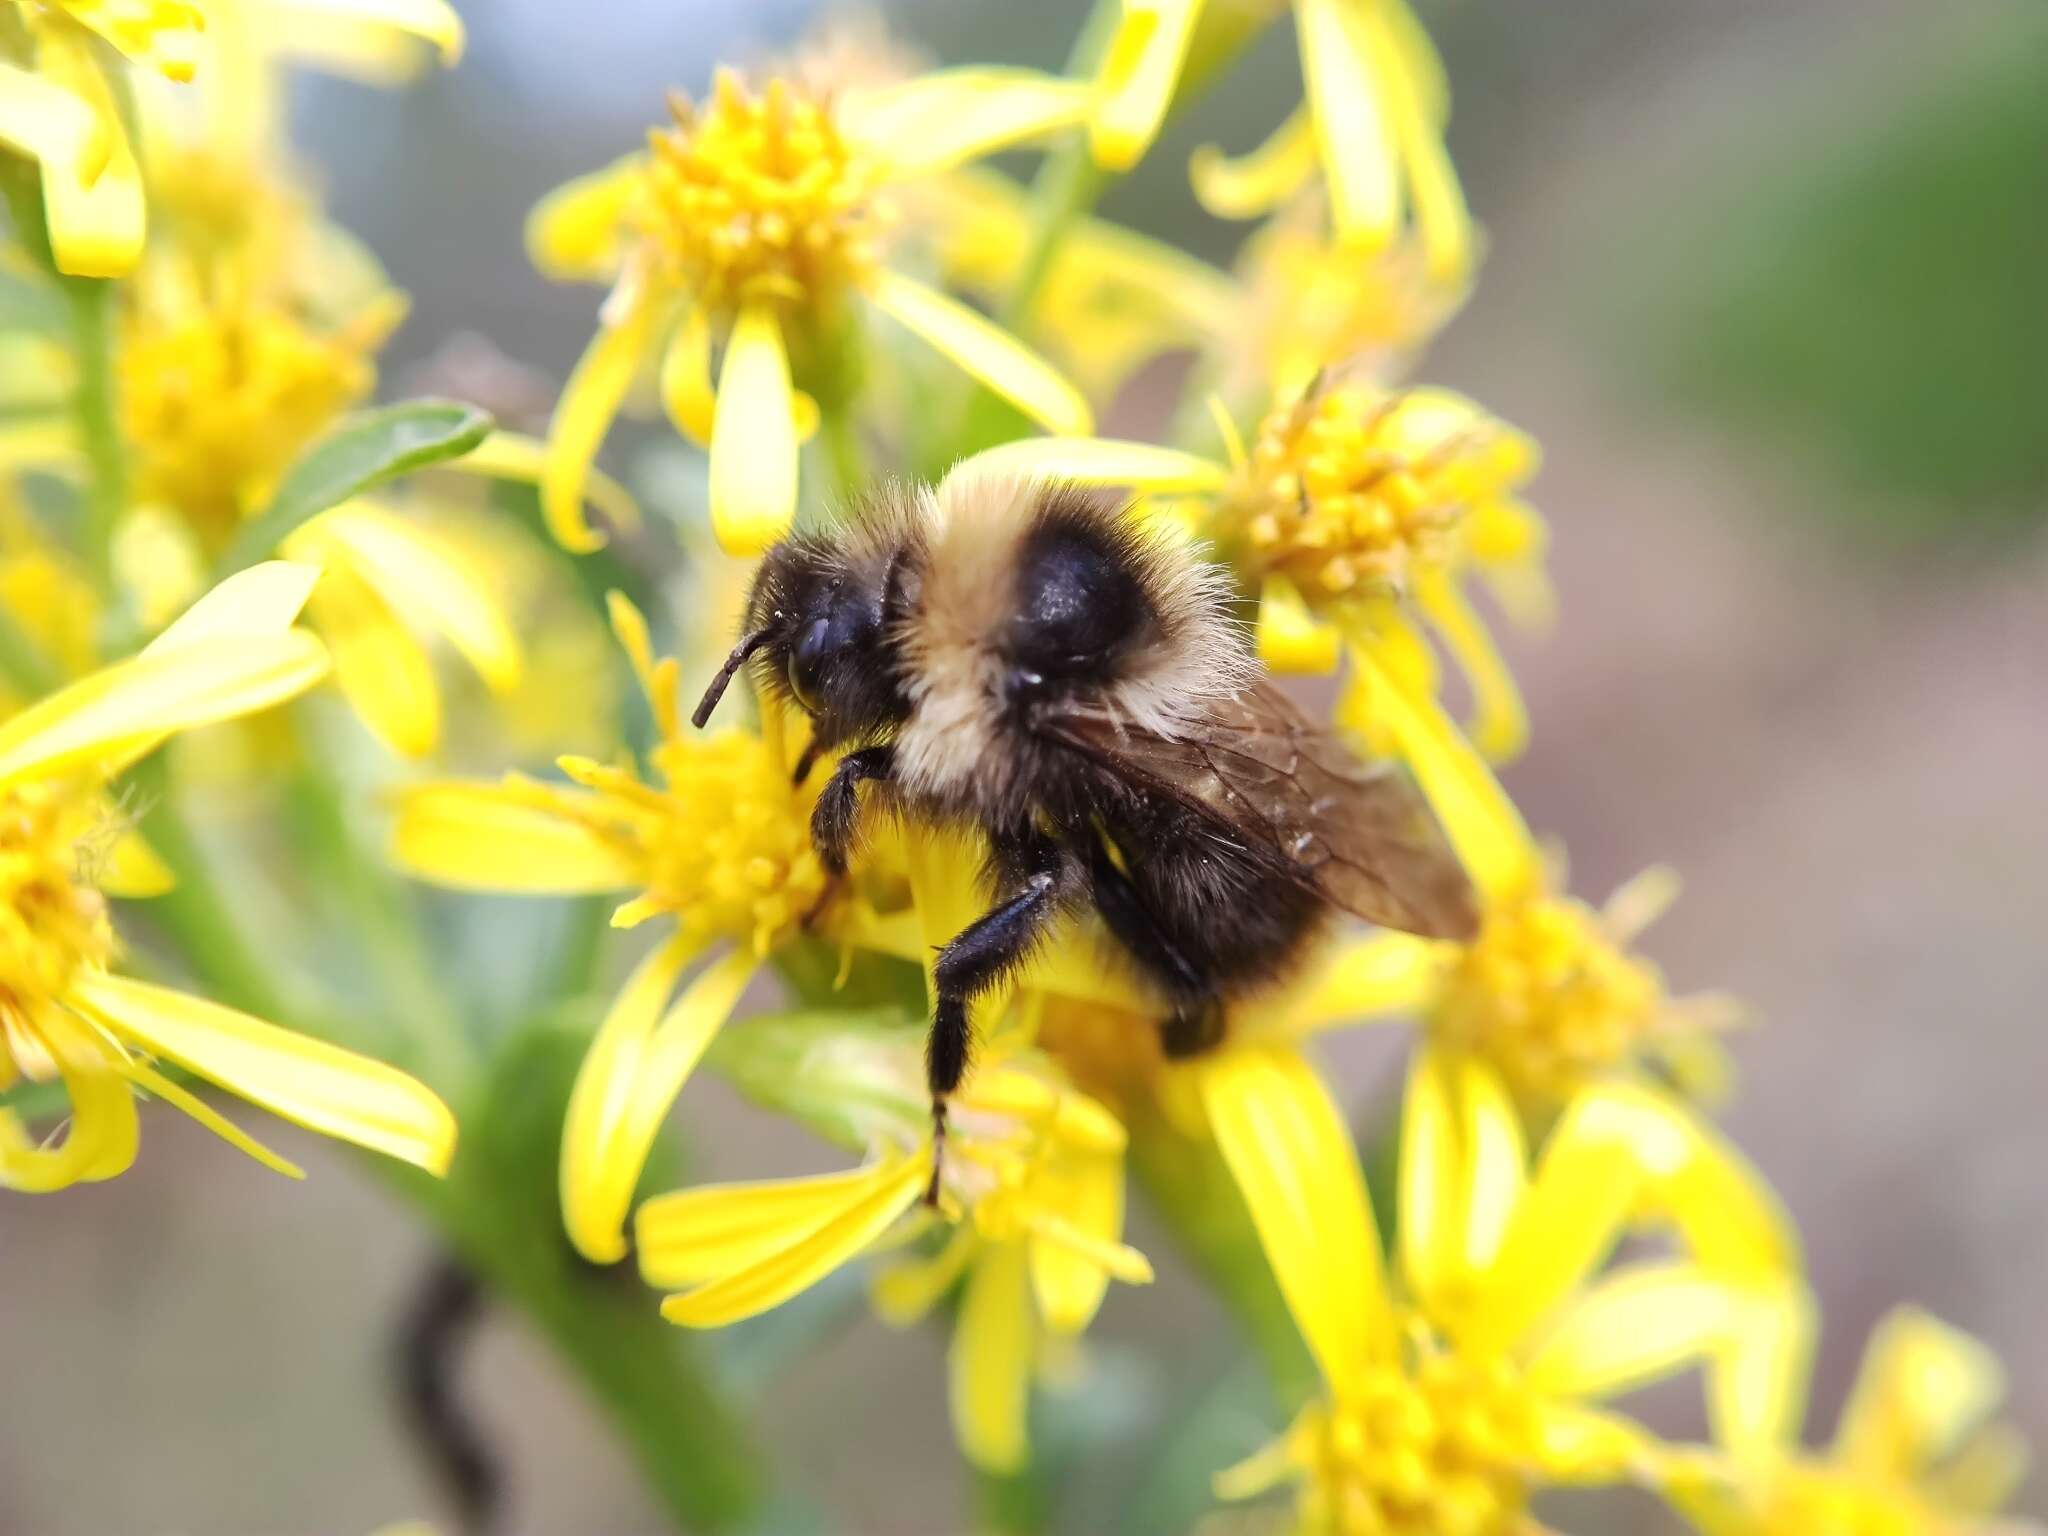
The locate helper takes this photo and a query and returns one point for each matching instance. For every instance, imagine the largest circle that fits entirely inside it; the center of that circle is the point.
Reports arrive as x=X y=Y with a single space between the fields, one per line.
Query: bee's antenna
x=733 y=663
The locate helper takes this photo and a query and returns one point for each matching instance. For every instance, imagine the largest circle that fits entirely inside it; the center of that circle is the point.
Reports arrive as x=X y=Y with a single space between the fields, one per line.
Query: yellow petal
x=1923 y=1387
x=1499 y=727
x=307 y=1081
x=161 y=1087
x=1067 y=1278
x=381 y=669
x=104 y=1132
x=96 y=216
x=753 y=437
x=789 y=1270
x=515 y=456
x=944 y=117
x=1410 y=79
x=1432 y=1182
x=577 y=232
x=1290 y=638
x=423 y=580
x=1139 y=71
x=693 y=1235
x=906 y=1291
x=1353 y=138
x=629 y=1080
x=1098 y=461
x=1481 y=822
x=1386 y=973
x=1756 y=1393
x=986 y=351
x=1496 y=1160
x=686 y=392
x=1578 y=1445
x=1292 y=1159
x=132 y=870
x=990 y=1361
x=1247 y=186
x=104 y=716
x=494 y=837
x=1635 y=1327
x=1573 y=1213
x=41 y=119
x=432 y=21
x=584 y=415
x=263 y=599
x=1267 y=1468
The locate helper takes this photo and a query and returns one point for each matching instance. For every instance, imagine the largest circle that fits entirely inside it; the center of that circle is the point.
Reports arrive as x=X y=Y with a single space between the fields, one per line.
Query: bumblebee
x=1022 y=658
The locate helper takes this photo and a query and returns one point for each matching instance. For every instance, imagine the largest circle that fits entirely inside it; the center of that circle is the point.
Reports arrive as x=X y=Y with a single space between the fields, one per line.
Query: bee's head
x=818 y=629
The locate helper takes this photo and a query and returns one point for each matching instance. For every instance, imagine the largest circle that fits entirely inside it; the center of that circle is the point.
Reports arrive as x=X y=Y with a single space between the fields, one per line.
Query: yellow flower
x=1374 y=121
x=1917 y=1453
x=1549 y=993
x=1470 y=1377
x=65 y=1013
x=753 y=221
x=1032 y=1183
x=1355 y=510
x=59 y=107
x=1312 y=304
x=245 y=340
x=1112 y=299
x=717 y=845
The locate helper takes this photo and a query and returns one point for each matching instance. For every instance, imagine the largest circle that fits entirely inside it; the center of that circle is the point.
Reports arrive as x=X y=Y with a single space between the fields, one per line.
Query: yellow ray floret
x=1373 y=121
x=1919 y=1450
x=749 y=224
x=1470 y=1373
x=65 y=1013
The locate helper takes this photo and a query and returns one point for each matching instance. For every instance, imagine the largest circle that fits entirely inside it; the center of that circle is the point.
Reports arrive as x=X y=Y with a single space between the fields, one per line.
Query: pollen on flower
x=53 y=921
x=219 y=395
x=1435 y=1447
x=728 y=849
x=756 y=194
x=1550 y=995
x=1349 y=490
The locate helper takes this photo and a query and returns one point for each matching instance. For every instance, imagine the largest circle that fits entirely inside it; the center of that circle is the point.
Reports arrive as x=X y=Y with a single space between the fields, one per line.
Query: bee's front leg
x=979 y=956
x=836 y=817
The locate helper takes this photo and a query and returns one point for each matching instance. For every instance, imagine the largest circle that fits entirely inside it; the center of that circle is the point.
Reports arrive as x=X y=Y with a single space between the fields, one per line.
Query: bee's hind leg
x=1040 y=877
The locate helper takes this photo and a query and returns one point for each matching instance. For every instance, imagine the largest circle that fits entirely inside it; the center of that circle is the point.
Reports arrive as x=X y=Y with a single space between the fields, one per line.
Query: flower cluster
x=810 y=269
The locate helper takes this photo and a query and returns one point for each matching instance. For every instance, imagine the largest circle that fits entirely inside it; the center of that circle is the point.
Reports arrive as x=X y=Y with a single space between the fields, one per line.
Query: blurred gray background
x=1769 y=281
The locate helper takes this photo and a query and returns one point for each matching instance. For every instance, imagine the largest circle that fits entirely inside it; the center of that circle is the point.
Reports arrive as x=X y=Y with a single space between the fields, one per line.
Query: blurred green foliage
x=1876 y=301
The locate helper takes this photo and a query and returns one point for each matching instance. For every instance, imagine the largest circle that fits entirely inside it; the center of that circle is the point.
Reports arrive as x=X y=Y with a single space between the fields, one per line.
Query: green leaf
x=362 y=453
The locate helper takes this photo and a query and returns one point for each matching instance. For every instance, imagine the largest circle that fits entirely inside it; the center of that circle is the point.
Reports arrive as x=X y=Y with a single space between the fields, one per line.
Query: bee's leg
x=1043 y=876
x=1192 y=1029
x=1133 y=925
x=837 y=812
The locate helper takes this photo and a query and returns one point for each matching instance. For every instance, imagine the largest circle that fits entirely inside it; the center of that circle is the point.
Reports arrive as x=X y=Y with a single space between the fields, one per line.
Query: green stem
x=427 y=1032
x=195 y=913
x=497 y=1208
x=97 y=406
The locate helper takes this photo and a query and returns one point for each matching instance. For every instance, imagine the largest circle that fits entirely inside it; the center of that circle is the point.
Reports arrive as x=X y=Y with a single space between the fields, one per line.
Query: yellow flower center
x=219 y=399
x=732 y=853
x=1815 y=1501
x=53 y=921
x=757 y=195
x=1352 y=488
x=1434 y=1448
x=1548 y=996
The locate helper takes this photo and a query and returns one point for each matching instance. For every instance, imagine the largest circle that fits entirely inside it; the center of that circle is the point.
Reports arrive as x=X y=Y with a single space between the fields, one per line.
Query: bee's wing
x=1357 y=832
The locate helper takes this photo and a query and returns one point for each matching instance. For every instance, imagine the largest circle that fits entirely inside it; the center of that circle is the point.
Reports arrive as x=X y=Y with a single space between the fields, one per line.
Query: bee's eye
x=807 y=660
